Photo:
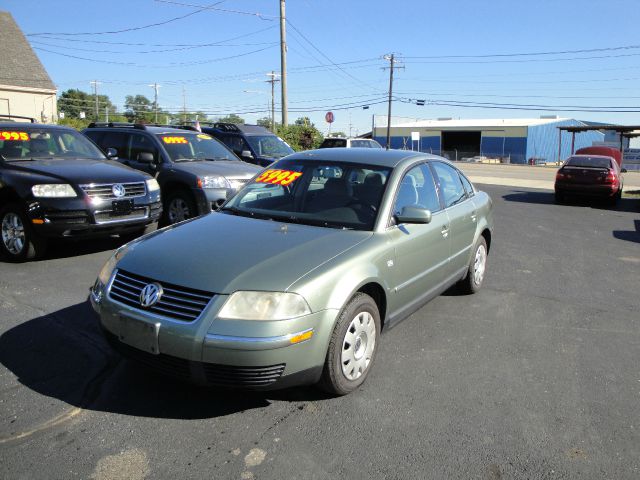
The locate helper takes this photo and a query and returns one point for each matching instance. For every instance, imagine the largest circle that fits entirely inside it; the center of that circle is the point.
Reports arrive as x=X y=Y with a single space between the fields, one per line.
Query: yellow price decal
x=278 y=177
x=8 y=136
x=204 y=136
x=174 y=140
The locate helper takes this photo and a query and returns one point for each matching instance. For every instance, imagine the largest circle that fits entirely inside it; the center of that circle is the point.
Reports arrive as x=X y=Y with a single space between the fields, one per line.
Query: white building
x=25 y=87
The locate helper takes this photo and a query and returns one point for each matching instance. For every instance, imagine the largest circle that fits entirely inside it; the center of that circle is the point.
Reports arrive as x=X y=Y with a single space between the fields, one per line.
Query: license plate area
x=121 y=207
x=139 y=334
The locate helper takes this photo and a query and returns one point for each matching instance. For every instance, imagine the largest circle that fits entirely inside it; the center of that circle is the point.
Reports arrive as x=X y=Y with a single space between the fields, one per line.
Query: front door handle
x=445 y=231
x=474 y=216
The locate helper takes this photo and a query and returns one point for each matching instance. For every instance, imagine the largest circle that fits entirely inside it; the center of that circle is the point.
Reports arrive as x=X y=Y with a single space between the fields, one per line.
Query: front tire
x=353 y=346
x=18 y=241
x=179 y=207
x=477 y=268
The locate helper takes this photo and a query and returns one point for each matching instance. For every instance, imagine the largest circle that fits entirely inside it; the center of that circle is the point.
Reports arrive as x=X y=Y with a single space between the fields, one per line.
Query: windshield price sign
x=8 y=136
x=174 y=140
x=278 y=177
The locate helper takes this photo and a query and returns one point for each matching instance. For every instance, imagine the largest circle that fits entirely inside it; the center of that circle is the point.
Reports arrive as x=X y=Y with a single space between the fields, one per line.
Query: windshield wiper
x=310 y=221
x=185 y=160
x=246 y=213
x=213 y=159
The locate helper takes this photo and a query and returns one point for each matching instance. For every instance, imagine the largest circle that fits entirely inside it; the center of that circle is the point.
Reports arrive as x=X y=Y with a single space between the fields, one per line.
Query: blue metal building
x=510 y=140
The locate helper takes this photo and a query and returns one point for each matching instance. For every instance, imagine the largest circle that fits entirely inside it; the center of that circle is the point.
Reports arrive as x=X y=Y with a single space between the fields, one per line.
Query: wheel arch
x=377 y=293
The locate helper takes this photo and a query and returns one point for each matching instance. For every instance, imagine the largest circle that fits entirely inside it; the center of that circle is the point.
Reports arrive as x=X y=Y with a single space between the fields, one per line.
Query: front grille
x=107 y=216
x=215 y=375
x=231 y=376
x=68 y=217
x=238 y=183
x=104 y=191
x=178 y=303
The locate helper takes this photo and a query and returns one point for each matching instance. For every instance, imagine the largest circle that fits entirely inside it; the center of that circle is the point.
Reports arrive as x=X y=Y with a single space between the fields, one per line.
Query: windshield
x=327 y=194
x=589 y=162
x=26 y=143
x=333 y=143
x=194 y=146
x=269 y=146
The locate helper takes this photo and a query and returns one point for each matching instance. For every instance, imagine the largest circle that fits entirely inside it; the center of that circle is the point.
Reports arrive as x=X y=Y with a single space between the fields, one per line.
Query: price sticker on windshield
x=171 y=140
x=278 y=177
x=14 y=136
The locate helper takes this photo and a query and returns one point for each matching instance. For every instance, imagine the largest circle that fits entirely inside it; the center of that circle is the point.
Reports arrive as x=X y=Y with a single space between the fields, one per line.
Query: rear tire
x=353 y=346
x=560 y=197
x=18 y=241
x=477 y=268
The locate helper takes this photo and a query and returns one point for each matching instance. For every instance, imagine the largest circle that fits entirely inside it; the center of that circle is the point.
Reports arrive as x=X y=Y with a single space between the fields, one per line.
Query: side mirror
x=145 y=157
x=246 y=154
x=414 y=215
x=112 y=153
x=624 y=170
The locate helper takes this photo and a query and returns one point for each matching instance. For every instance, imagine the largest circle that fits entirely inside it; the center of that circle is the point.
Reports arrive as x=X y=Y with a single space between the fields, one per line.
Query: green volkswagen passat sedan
x=294 y=279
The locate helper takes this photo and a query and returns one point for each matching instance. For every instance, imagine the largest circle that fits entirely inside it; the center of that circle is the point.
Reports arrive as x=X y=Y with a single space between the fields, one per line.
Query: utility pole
x=155 y=101
x=184 y=106
x=95 y=94
x=283 y=63
x=272 y=80
x=392 y=61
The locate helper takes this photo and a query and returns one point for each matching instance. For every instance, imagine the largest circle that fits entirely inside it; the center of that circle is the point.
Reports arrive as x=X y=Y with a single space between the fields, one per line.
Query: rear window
x=333 y=143
x=589 y=162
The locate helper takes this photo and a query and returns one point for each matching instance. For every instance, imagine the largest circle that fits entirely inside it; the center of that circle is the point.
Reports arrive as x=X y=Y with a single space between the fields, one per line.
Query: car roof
x=238 y=129
x=369 y=156
x=147 y=128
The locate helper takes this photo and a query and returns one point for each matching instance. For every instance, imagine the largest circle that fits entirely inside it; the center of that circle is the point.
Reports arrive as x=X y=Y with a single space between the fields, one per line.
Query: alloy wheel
x=479 y=264
x=13 y=236
x=178 y=210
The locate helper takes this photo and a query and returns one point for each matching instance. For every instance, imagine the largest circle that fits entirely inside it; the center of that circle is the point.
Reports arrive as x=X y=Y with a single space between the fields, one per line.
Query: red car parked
x=589 y=175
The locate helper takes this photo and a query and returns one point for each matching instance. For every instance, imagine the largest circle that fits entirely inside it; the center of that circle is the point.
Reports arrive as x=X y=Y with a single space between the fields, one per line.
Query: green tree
x=233 y=118
x=73 y=101
x=140 y=109
x=306 y=121
x=300 y=137
x=264 y=122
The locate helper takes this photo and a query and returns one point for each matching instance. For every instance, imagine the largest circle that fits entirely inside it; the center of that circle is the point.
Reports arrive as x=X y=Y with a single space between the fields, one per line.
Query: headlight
x=53 y=190
x=213 y=182
x=264 y=306
x=107 y=269
x=152 y=185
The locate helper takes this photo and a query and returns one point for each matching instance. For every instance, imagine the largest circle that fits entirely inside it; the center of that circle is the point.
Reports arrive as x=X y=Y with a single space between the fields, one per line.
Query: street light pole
x=95 y=94
x=272 y=80
x=155 y=101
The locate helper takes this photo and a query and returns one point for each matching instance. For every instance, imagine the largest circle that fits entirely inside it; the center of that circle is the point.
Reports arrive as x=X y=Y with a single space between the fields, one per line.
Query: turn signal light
x=302 y=337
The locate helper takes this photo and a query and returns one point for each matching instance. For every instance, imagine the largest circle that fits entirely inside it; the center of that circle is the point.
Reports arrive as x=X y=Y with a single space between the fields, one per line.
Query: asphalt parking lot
x=534 y=377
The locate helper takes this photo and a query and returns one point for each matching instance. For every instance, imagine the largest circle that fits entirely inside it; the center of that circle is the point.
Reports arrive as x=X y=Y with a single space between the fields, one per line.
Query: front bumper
x=78 y=217
x=210 y=199
x=227 y=353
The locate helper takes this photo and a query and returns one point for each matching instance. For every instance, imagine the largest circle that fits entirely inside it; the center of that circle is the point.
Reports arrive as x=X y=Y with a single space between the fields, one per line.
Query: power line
x=131 y=29
x=536 y=60
x=261 y=16
x=559 y=52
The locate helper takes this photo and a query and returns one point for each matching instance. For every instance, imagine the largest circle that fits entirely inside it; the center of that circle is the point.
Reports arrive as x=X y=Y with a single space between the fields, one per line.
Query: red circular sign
x=329 y=117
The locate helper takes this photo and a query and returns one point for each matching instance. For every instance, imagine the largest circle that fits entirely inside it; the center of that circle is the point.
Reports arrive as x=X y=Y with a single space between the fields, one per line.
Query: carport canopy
x=627 y=131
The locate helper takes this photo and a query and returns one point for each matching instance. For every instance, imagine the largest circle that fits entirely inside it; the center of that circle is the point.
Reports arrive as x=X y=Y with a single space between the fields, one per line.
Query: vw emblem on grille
x=118 y=190
x=150 y=294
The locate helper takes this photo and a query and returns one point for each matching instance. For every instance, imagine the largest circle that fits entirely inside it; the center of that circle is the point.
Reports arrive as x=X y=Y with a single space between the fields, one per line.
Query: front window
x=34 y=143
x=185 y=147
x=269 y=146
x=327 y=194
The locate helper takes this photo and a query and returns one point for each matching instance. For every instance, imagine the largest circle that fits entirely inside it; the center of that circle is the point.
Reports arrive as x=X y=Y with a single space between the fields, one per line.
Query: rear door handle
x=445 y=231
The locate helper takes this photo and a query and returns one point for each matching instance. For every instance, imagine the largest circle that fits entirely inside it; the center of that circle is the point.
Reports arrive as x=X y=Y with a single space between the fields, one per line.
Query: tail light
x=561 y=175
x=611 y=177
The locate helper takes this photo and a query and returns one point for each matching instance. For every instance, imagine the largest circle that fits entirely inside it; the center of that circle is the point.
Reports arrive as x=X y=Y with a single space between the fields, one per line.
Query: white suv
x=336 y=142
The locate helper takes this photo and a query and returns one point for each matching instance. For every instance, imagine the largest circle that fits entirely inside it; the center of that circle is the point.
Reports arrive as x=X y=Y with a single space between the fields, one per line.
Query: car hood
x=81 y=171
x=223 y=253
x=226 y=168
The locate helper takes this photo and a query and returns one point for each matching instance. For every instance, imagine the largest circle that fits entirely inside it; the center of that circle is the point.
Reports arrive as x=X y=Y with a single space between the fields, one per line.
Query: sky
x=518 y=59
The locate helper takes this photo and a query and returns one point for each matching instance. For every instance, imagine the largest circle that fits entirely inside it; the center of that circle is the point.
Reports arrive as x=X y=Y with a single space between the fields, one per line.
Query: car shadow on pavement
x=629 y=235
x=64 y=355
x=65 y=248
x=547 y=198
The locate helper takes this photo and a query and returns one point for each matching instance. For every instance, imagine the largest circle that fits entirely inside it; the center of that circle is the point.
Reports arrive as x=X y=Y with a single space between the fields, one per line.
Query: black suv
x=196 y=172
x=252 y=143
x=56 y=183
